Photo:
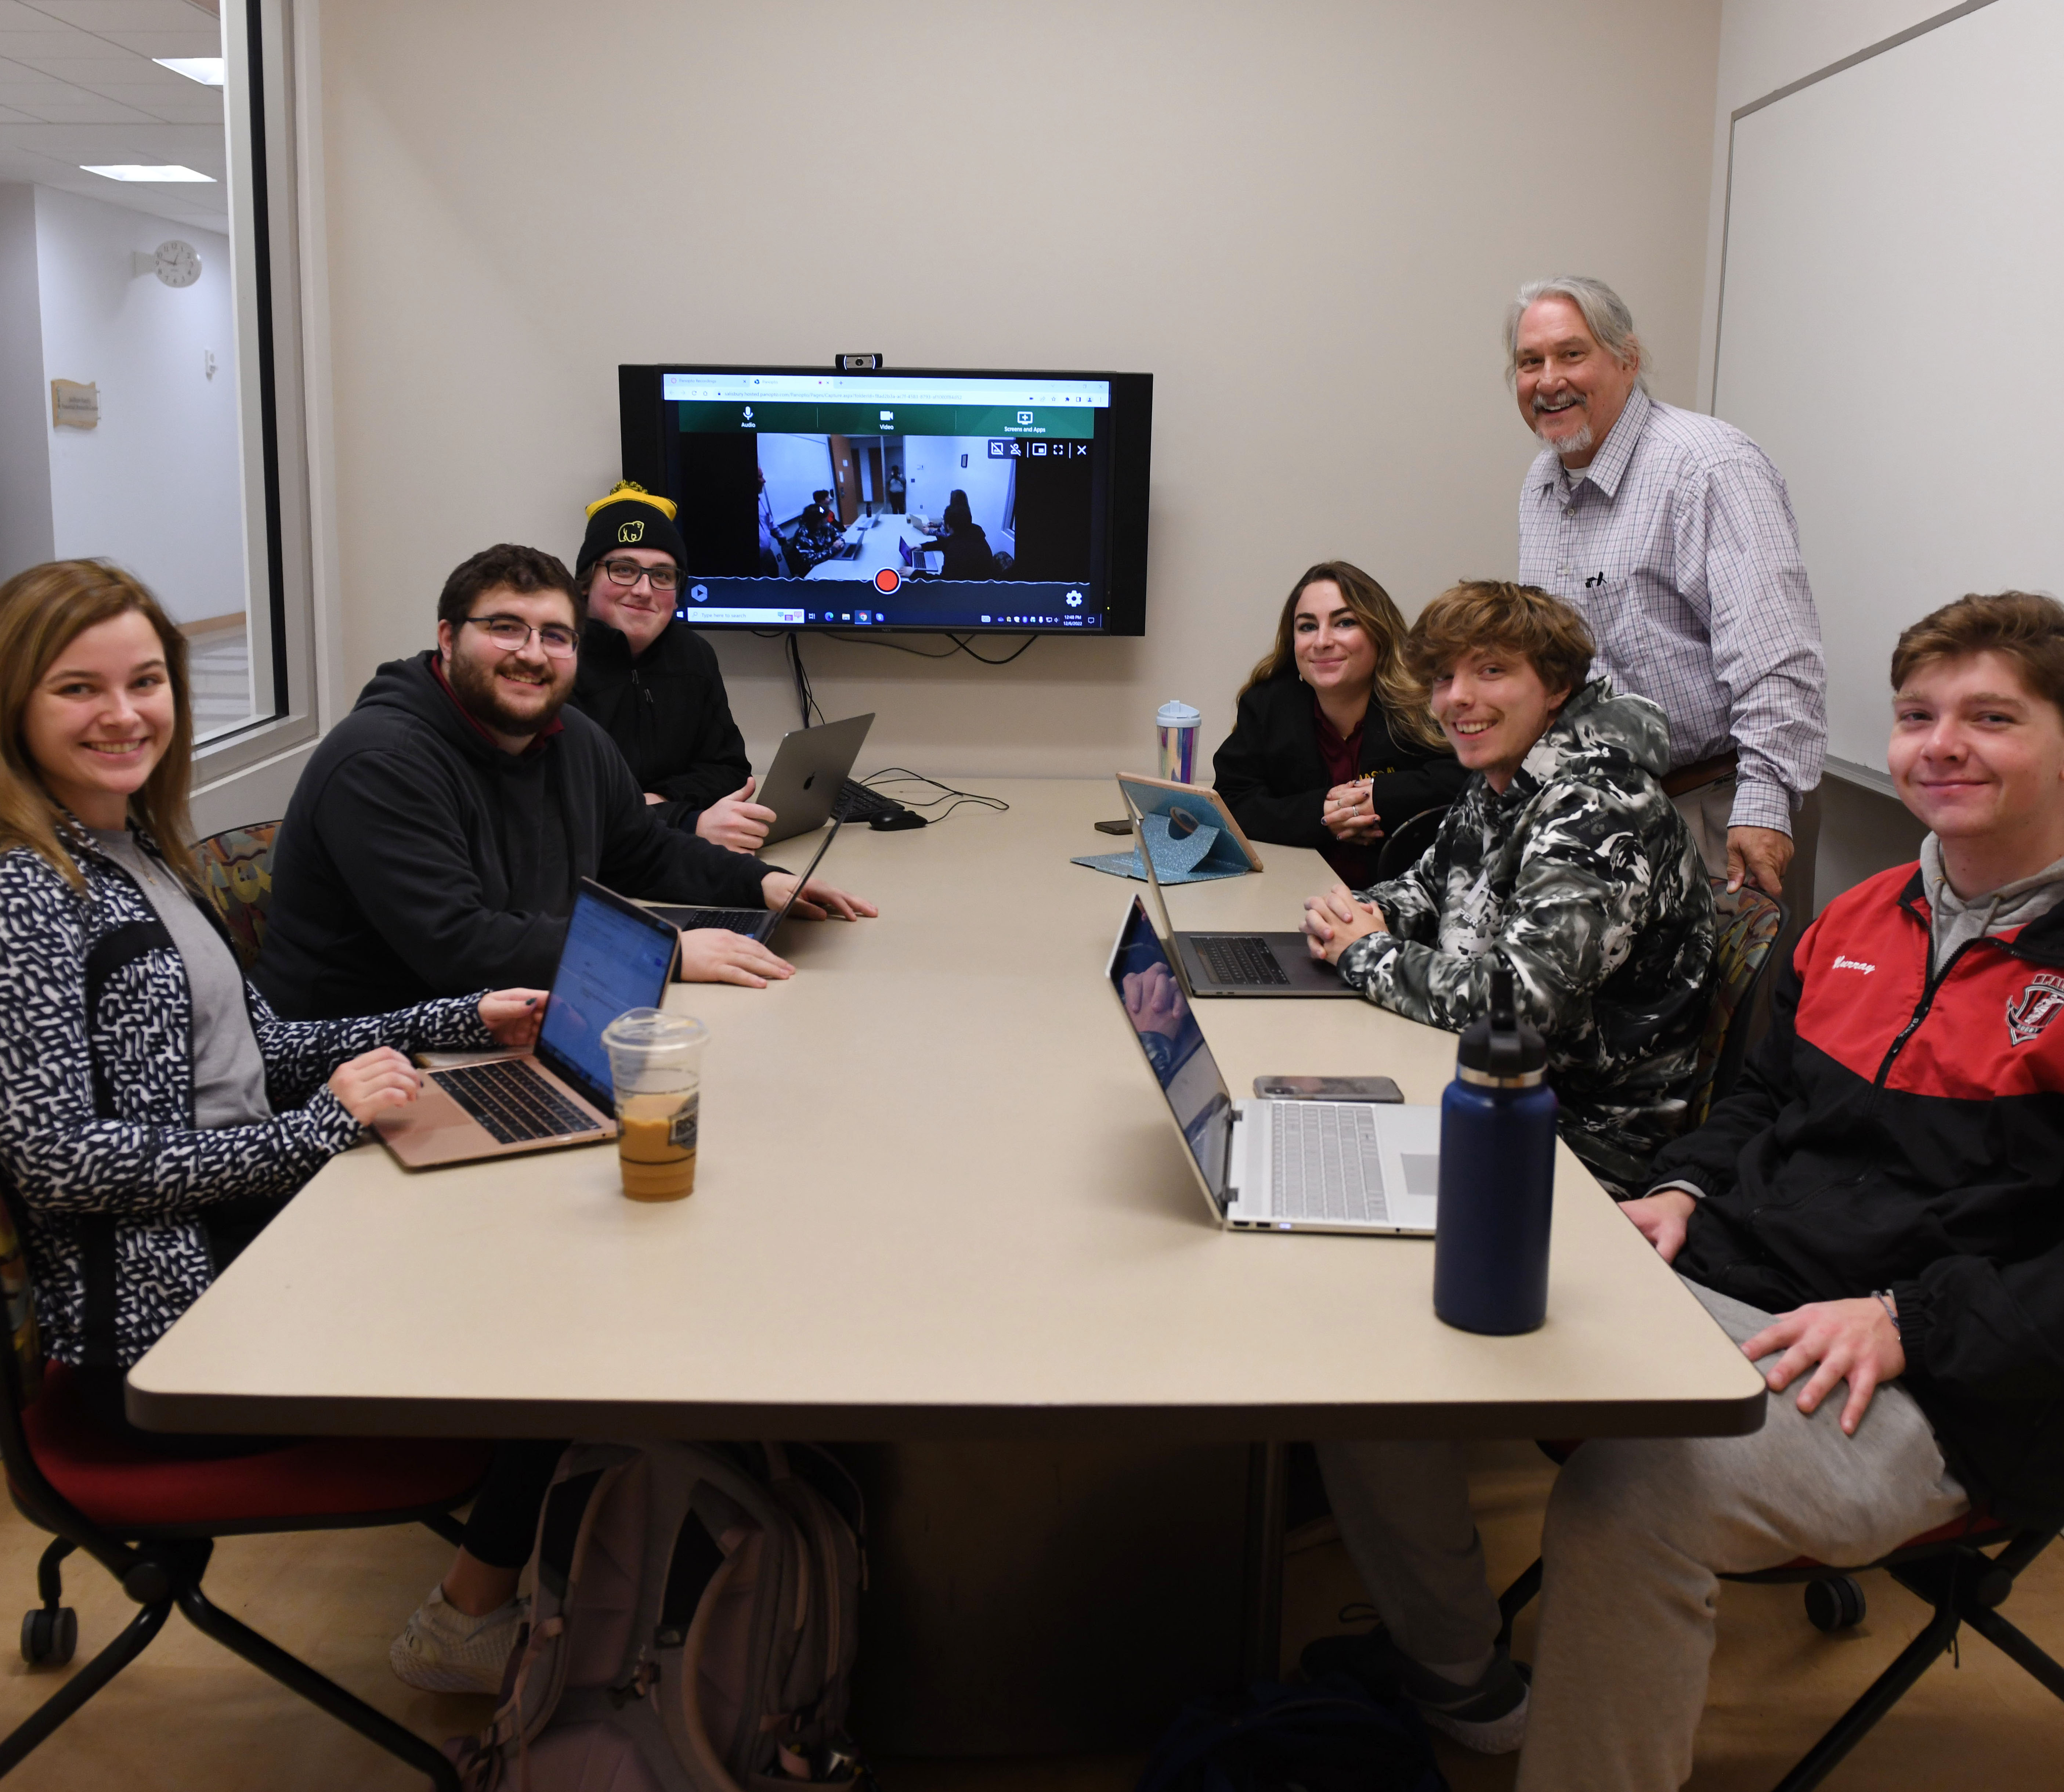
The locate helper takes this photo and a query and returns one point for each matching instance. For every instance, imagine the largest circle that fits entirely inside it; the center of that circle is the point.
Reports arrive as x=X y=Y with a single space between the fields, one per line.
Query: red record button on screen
x=888 y=579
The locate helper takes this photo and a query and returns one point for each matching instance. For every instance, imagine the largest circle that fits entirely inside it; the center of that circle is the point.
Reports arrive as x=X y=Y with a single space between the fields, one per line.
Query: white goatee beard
x=1580 y=443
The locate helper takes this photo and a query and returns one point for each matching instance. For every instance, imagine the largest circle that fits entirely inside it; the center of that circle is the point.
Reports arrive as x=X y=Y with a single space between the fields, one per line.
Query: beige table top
x=939 y=1195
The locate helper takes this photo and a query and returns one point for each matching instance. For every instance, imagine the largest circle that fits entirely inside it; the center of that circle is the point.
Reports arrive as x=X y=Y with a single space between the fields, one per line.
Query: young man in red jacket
x=1875 y=1216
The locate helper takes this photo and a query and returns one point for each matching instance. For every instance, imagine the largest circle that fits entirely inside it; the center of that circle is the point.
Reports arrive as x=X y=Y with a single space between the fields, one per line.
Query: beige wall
x=1303 y=219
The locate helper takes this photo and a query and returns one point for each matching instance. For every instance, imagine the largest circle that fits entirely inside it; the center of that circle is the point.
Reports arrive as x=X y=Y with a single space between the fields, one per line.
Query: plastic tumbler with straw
x=1175 y=723
x=655 y=1061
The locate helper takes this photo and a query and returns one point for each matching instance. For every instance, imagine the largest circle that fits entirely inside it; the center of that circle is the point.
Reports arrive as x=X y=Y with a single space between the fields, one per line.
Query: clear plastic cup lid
x=1176 y=714
x=652 y=1032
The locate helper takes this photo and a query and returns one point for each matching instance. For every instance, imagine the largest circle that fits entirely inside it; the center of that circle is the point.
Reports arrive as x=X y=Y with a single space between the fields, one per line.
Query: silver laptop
x=810 y=767
x=616 y=957
x=754 y=923
x=1268 y=1165
x=1245 y=963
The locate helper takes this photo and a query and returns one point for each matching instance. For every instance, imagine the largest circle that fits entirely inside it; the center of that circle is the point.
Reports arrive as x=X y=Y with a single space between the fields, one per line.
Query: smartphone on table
x=1329 y=1088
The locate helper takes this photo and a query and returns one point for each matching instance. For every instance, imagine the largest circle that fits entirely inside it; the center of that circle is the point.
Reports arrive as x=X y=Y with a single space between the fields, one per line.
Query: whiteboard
x=1891 y=331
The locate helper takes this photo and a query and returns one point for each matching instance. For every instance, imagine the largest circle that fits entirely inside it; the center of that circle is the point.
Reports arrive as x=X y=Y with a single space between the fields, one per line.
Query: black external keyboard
x=855 y=802
x=1232 y=958
x=512 y=1101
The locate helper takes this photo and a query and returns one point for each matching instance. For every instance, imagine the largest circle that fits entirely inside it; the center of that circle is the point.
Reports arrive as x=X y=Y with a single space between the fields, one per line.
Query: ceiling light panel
x=207 y=70
x=147 y=171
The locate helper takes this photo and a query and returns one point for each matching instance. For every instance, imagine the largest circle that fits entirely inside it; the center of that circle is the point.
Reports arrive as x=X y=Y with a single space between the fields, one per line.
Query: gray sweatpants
x=1638 y=1530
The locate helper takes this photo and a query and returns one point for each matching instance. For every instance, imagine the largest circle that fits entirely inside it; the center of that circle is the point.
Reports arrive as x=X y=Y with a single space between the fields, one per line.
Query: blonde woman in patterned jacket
x=143 y=1084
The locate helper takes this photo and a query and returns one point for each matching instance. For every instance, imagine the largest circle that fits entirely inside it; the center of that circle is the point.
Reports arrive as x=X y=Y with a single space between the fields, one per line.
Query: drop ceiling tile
x=78 y=108
x=203 y=41
x=91 y=71
x=39 y=47
x=122 y=15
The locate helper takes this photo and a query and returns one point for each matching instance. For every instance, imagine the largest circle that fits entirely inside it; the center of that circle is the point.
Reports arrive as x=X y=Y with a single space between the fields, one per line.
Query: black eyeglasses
x=626 y=573
x=512 y=635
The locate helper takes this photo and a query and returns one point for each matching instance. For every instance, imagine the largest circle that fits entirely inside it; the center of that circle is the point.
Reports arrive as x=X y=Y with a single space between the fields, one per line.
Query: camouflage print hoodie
x=1584 y=879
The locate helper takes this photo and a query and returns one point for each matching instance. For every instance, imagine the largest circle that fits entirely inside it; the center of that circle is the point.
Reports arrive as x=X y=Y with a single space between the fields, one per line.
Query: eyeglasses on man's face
x=626 y=573
x=512 y=635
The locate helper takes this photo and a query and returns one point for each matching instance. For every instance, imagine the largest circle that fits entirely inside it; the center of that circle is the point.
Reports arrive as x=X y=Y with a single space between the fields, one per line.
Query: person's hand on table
x=1335 y=921
x=1853 y=1341
x=718 y=955
x=1761 y=856
x=736 y=821
x=513 y=1016
x=817 y=900
x=1350 y=814
x=375 y=1081
x=1662 y=1219
x=1153 y=1001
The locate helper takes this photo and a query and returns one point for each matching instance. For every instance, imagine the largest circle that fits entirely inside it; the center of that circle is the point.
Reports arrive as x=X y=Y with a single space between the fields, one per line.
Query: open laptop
x=616 y=957
x=1265 y=1164
x=1236 y=963
x=754 y=923
x=810 y=767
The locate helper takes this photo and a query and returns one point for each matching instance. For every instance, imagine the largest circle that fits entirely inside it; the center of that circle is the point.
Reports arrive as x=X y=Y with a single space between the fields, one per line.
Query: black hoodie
x=667 y=711
x=418 y=858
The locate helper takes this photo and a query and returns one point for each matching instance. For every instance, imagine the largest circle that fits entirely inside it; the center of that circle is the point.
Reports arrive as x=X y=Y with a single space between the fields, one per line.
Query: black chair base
x=1962 y=1584
x=169 y=1575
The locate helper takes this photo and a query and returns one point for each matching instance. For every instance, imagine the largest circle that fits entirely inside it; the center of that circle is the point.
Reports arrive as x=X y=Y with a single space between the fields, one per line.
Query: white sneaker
x=442 y=1650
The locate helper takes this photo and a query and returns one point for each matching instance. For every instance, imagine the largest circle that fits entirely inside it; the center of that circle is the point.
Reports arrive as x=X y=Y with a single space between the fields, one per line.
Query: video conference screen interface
x=958 y=501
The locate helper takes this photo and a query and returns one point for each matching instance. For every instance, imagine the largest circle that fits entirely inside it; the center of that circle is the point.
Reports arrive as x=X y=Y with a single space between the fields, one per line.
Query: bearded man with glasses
x=654 y=684
x=438 y=837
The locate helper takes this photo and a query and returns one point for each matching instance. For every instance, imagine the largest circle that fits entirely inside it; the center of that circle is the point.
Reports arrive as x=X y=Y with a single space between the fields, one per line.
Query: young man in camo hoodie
x=1561 y=858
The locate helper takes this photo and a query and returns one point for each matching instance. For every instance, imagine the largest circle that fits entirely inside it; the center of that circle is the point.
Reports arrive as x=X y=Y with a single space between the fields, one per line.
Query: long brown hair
x=1403 y=699
x=42 y=612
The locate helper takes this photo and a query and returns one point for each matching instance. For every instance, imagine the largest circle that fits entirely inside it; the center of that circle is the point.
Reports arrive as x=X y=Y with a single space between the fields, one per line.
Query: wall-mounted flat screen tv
x=984 y=501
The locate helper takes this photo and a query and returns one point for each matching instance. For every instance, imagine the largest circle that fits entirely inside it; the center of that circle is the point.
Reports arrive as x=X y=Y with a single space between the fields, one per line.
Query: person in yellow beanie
x=651 y=683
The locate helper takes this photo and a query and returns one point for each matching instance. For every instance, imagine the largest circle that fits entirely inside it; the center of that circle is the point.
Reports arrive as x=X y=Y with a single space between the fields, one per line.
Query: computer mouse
x=898 y=823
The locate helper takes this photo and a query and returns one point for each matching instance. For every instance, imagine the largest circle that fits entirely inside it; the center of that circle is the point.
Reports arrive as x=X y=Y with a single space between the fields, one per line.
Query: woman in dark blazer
x=1333 y=743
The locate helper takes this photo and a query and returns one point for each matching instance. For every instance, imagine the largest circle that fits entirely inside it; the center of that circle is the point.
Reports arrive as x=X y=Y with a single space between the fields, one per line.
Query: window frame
x=259 y=122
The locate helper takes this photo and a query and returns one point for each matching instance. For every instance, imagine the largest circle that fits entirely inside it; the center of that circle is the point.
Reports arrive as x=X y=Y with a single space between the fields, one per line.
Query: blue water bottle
x=1498 y=1175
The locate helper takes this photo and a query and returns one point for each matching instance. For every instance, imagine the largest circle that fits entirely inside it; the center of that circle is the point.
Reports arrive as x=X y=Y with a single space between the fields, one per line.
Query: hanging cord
x=806 y=699
x=961 y=645
x=951 y=798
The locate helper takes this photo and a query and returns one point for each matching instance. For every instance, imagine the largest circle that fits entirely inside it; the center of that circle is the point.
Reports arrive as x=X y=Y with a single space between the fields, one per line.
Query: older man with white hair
x=1671 y=533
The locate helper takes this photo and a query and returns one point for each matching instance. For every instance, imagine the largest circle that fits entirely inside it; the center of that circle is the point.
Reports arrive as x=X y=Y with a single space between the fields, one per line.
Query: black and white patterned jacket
x=96 y=1109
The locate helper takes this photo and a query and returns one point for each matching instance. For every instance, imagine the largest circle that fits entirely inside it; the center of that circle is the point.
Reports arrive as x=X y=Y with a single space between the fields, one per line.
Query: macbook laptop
x=810 y=767
x=1236 y=963
x=616 y=957
x=1270 y=1165
x=756 y=923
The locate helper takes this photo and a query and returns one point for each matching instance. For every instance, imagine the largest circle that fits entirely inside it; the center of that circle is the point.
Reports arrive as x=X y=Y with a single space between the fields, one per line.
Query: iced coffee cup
x=655 y=1061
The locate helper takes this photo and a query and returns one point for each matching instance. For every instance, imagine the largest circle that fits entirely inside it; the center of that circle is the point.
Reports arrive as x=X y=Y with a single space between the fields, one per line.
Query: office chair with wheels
x=1403 y=845
x=1947 y=1568
x=152 y=1521
x=236 y=868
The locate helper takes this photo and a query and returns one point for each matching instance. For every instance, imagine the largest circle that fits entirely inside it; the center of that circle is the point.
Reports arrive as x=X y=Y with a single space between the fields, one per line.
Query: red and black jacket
x=1893 y=1132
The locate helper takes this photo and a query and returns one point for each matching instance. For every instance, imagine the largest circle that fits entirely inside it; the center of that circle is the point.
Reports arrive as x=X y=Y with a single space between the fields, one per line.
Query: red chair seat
x=127 y=1490
x=1976 y=1526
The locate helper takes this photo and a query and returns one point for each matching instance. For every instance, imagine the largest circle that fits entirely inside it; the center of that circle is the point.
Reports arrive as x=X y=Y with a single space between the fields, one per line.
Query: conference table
x=941 y=1213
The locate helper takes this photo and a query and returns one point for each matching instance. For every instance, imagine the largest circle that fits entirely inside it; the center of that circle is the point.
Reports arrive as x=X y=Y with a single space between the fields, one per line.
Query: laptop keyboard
x=1327 y=1165
x=736 y=921
x=855 y=802
x=1238 y=958
x=512 y=1101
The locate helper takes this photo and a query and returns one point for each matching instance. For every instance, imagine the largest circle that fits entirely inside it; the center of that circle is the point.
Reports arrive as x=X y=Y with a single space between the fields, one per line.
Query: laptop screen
x=613 y=959
x=1174 y=1044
